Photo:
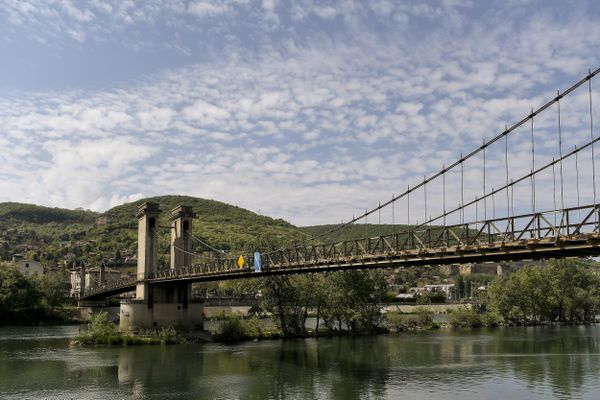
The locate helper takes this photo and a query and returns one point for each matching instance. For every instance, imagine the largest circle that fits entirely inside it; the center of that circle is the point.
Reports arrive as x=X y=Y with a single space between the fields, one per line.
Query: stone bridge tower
x=147 y=263
x=159 y=305
x=181 y=240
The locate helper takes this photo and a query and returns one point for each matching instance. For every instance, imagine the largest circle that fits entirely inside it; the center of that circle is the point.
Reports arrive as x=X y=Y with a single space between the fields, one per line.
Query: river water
x=510 y=363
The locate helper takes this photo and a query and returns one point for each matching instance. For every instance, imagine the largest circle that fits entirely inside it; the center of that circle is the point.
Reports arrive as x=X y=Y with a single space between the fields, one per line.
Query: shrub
x=99 y=330
x=491 y=319
x=431 y=298
x=168 y=335
x=256 y=311
x=231 y=330
x=234 y=329
x=421 y=319
x=253 y=327
x=465 y=318
x=164 y=335
x=399 y=322
x=424 y=316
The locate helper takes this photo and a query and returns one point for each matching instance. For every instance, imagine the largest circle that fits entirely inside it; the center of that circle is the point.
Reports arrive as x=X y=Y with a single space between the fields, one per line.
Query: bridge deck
x=579 y=245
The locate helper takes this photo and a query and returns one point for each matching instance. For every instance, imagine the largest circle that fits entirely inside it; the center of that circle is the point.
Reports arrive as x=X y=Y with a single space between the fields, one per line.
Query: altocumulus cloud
x=349 y=104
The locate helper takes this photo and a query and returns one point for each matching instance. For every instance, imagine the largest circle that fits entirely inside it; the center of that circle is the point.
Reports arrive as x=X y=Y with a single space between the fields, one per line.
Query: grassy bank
x=235 y=328
x=421 y=319
x=101 y=330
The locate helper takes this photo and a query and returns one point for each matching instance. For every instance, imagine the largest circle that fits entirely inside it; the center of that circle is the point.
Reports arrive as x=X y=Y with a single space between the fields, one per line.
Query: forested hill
x=58 y=236
x=30 y=213
x=211 y=211
x=221 y=225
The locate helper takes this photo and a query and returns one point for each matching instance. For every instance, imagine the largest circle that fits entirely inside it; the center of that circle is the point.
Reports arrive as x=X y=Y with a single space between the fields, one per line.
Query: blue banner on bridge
x=257 y=263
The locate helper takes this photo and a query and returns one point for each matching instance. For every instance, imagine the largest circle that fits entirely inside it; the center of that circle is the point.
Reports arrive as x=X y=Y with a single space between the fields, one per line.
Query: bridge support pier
x=168 y=304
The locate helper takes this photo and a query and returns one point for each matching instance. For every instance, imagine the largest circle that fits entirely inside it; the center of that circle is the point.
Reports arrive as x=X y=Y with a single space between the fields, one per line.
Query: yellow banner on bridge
x=241 y=261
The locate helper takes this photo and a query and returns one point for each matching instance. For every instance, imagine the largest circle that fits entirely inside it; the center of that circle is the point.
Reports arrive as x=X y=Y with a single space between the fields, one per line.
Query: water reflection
x=542 y=361
x=162 y=371
x=331 y=368
x=563 y=357
x=560 y=362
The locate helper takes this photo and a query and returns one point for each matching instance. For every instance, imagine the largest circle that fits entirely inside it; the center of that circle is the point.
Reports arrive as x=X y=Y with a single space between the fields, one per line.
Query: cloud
x=208 y=8
x=205 y=113
x=314 y=131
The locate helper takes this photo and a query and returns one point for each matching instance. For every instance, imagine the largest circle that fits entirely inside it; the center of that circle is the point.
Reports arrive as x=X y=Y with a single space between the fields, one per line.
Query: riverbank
x=102 y=330
x=236 y=327
x=219 y=312
x=239 y=325
x=395 y=319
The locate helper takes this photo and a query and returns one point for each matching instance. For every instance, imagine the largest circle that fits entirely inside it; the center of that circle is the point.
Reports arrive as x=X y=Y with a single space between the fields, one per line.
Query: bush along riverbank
x=101 y=330
x=234 y=328
x=421 y=319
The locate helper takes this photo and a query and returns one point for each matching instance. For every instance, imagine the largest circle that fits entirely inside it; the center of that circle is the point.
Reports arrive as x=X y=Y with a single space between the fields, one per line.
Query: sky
x=310 y=111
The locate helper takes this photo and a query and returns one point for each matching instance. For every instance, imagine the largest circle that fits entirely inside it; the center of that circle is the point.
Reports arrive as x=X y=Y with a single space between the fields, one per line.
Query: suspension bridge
x=527 y=193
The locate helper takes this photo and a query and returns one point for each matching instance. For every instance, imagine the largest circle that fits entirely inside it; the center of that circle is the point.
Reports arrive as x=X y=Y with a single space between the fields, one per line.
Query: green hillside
x=58 y=236
x=41 y=232
x=221 y=225
x=42 y=215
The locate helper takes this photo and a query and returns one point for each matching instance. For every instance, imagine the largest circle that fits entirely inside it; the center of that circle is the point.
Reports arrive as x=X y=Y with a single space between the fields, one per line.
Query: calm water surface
x=513 y=363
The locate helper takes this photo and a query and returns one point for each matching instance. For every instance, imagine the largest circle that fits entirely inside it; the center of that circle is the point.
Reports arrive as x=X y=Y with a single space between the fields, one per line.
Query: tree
x=354 y=299
x=318 y=300
x=20 y=299
x=286 y=297
x=560 y=290
x=55 y=287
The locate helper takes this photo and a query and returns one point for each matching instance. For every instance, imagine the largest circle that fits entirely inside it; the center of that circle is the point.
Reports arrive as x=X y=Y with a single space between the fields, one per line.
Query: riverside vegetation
x=101 y=330
x=556 y=292
x=343 y=303
x=33 y=300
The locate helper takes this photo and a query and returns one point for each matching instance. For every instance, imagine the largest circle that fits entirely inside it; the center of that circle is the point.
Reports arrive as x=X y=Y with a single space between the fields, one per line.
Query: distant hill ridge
x=211 y=210
x=60 y=236
x=125 y=213
x=41 y=215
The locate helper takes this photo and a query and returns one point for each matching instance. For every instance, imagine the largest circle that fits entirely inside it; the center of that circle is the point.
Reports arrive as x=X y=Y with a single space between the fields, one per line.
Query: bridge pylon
x=181 y=241
x=164 y=304
x=147 y=263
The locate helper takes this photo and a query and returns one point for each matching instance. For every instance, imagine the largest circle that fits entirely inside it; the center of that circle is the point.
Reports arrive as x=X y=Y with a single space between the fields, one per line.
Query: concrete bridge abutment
x=169 y=304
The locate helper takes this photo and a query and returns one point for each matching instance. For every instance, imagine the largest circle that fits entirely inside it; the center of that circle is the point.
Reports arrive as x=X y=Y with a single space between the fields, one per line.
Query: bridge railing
x=548 y=226
x=541 y=228
x=108 y=286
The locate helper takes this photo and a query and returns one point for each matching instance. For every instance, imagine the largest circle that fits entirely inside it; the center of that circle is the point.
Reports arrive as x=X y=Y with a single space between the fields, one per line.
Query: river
x=509 y=363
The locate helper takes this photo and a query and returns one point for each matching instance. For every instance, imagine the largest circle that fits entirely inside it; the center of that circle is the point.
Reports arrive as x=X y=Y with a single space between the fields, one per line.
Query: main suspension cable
x=471 y=154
